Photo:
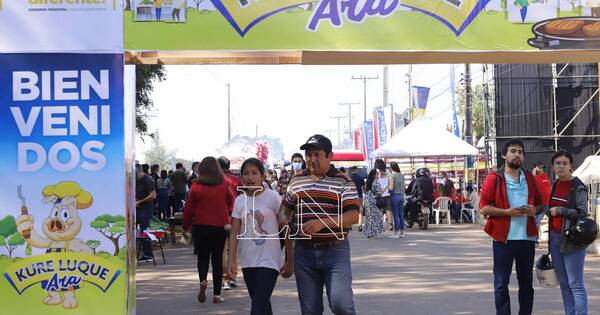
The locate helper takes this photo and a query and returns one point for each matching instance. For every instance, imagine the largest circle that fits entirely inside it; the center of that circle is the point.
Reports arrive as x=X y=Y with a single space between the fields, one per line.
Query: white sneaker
x=225 y=286
x=395 y=235
x=402 y=234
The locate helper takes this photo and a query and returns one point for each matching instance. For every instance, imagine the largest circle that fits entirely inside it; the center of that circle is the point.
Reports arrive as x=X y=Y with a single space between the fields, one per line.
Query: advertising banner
x=381 y=129
x=375 y=131
x=420 y=96
x=62 y=206
x=61 y=26
x=369 y=138
x=455 y=127
x=357 y=140
x=386 y=25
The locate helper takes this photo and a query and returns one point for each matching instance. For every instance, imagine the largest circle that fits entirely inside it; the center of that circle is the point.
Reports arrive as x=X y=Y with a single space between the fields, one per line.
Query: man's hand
x=517 y=212
x=554 y=211
x=530 y=210
x=312 y=227
x=232 y=269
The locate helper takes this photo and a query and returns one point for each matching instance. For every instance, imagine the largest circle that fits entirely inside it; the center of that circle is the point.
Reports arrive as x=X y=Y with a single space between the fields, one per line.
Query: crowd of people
x=266 y=224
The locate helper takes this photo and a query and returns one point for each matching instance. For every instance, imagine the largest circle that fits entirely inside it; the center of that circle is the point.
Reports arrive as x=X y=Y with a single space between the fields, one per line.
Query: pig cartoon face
x=63 y=223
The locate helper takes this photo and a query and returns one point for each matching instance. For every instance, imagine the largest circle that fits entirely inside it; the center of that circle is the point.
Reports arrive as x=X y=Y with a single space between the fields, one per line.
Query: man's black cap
x=318 y=142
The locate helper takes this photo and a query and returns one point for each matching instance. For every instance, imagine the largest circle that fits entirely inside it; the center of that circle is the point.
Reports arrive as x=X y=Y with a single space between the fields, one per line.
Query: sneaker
x=395 y=235
x=145 y=259
x=233 y=284
x=402 y=234
x=225 y=286
x=217 y=299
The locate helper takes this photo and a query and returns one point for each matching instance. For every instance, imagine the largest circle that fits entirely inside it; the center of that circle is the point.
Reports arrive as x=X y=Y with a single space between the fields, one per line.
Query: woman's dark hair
x=512 y=142
x=146 y=168
x=560 y=153
x=295 y=155
x=209 y=172
x=447 y=188
x=256 y=162
x=380 y=165
x=163 y=174
x=394 y=166
x=371 y=178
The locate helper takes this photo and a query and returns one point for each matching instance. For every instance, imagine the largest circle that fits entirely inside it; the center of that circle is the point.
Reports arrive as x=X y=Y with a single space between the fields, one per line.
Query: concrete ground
x=444 y=270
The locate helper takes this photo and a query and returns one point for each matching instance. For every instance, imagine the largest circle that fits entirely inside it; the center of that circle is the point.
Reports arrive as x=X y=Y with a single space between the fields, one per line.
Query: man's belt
x=320 y=244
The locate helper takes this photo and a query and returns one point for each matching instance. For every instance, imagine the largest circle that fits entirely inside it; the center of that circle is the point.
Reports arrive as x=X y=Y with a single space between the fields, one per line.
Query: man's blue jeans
x=330 y=267
x=398 y=211
x=569 y=271
x=523 y=254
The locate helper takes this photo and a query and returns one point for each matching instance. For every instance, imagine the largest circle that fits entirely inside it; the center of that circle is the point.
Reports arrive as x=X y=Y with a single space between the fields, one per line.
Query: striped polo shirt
x=327 y=197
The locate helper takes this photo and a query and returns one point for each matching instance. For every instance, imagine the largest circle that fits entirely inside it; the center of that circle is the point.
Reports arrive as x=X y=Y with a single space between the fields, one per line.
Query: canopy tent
x=424 y=137
x=589 y=170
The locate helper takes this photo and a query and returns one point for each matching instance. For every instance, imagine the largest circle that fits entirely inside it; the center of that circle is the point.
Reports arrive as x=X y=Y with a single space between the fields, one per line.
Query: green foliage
x=8 y=226
x=98 y=224
x=103 y=254
x=15 y=240
x=477 y=102
x=116 y=229
x=145 y=77
x=28 y=250
x=93 y=243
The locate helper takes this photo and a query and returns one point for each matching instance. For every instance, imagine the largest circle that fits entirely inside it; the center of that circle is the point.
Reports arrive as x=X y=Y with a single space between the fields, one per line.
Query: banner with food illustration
x=62 y=202
x=385 y=25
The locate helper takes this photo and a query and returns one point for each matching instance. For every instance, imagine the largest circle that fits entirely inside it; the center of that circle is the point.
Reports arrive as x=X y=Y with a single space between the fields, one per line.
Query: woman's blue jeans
x=569 y=271
x=397 y=201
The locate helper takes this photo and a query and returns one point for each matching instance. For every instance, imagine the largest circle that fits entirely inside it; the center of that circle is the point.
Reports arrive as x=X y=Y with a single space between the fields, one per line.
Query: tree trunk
x=127 y=5
x=116 y=243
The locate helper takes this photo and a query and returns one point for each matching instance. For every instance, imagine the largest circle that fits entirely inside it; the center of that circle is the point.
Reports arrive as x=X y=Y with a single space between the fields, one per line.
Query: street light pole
x=349 y=104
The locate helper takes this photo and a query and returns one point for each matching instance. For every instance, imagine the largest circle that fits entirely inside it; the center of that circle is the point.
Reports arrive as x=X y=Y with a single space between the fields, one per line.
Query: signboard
x=382 y=25
x=61 y=26
x=62 y=232
x=369 y=138
x=381 y=129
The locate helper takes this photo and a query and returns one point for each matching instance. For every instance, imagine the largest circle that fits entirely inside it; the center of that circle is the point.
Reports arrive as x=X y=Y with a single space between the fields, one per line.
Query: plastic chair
x=474 y=212
x=443 y=204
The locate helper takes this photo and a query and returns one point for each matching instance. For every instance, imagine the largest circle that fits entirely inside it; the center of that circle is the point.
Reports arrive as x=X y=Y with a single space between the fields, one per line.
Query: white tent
x=589 y=170
x=424 y=137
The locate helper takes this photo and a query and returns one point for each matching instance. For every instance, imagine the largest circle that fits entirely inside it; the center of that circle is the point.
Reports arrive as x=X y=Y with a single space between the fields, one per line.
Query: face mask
x=297 y=166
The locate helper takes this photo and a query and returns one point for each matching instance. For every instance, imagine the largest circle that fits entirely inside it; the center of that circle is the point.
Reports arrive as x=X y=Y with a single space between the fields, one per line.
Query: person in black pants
x=206 y=212
x=145 y=194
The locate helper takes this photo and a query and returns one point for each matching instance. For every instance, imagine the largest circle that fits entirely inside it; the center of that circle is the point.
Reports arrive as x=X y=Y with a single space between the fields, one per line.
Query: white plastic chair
x=443 y=204
x=474 y=212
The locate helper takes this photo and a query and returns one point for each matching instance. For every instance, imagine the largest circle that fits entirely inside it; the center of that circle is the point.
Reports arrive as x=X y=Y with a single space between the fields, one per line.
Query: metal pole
x=228 y=112
x=349 y=104
x=409 y=81
x=365 y=79
x=554 y=103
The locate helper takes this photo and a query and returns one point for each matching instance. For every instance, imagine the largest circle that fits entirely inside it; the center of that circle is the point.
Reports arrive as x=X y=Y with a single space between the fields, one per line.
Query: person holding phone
x=511 y=200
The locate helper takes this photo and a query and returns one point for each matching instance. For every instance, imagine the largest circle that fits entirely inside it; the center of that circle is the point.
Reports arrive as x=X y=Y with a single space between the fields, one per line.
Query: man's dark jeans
x=143 y=217
x=523 y=254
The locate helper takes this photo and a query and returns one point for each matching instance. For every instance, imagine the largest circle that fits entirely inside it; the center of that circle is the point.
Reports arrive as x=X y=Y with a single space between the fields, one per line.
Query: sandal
x=202 y=292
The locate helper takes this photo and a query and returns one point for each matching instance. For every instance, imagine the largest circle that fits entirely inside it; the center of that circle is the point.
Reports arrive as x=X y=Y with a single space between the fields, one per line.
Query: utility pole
x=468 y=105
x=349 y=104
x=409 y=82
x=364 y=79
x=228 y=112
x=339 y=118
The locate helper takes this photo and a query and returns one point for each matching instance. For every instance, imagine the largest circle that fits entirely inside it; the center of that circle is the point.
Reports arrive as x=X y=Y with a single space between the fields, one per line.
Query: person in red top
x=206 y=212
x=510 y=199
x=568 y=203
x=542 y=181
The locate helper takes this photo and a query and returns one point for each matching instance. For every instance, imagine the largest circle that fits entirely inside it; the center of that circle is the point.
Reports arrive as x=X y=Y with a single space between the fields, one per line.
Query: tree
x=197 y=3
x=159 y=154
x=477 y=101
x=9 y=237
x=145 y=77
x=93 y=244
x=112 y=227
x=28 y=250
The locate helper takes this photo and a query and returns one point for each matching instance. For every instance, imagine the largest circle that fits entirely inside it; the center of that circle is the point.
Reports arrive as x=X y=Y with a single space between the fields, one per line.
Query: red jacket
x=544 y=185
x=208 y=205
x=493 y=193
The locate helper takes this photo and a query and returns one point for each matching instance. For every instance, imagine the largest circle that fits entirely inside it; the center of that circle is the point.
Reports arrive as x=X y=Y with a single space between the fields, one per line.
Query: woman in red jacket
x=207 y=213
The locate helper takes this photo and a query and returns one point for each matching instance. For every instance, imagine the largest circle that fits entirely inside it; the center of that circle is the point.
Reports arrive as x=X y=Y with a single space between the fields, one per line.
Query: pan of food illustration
x=567 y=33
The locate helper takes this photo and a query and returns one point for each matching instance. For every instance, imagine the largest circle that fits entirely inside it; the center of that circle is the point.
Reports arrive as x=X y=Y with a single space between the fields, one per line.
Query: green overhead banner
x=374 y=25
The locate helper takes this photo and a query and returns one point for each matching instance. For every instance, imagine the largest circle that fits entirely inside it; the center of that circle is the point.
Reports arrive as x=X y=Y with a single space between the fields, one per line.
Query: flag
x=368 y=138
x=382 y=132
x=453 y=91
x=420 y=96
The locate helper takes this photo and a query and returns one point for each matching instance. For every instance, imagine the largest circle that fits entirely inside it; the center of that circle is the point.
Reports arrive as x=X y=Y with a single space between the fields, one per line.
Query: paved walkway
x=444 y=270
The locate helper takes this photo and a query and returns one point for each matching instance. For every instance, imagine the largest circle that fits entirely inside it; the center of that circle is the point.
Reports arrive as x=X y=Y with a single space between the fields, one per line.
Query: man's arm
x=345 y=220
x=498 y=212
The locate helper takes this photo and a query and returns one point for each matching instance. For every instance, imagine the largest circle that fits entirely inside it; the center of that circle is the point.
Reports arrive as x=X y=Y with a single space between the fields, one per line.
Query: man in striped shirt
x=321 y=205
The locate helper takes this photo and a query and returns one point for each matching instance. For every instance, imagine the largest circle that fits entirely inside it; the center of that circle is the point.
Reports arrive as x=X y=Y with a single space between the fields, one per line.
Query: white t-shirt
x=258 y=243
x=383 y=182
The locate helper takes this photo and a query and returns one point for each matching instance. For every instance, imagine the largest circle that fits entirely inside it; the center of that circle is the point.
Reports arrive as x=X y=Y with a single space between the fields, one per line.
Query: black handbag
x=380 y=202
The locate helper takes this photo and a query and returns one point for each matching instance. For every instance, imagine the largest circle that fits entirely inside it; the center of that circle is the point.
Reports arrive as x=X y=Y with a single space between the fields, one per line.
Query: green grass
x=287 y=31
x=92 y=301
